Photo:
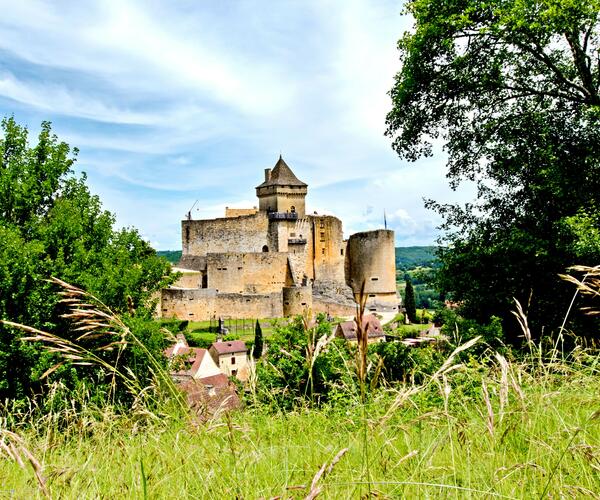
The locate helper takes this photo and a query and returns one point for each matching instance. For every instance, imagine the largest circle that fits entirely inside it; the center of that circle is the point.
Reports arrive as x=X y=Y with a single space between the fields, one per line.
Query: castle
x=276 y=260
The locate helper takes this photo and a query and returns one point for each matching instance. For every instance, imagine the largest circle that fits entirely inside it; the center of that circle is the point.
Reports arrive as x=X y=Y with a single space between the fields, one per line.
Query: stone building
x=276 y=260
x=231 y=358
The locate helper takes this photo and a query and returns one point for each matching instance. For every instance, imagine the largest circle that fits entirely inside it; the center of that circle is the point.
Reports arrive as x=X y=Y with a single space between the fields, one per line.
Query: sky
x=175 y=101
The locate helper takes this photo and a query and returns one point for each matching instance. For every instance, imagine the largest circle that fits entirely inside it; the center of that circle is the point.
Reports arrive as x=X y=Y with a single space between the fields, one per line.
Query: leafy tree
x=511 y=87
x=258 y=341
x=409 y=302
x=51 y=225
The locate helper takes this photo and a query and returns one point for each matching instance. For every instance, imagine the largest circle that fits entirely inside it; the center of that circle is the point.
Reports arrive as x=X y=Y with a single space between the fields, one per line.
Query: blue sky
x=173 y=101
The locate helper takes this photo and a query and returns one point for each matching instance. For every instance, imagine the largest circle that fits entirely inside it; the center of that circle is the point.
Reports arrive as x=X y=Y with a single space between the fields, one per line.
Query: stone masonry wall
x=326 y=249
x=242 y=234
x=248 y=272
x=206 y=304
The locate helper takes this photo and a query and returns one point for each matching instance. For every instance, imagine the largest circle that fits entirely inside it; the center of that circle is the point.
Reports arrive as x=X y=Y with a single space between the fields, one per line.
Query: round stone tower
x=371 y=259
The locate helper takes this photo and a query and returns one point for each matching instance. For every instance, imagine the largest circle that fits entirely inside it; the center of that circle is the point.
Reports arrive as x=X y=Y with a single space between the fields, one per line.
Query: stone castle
x=276 y=260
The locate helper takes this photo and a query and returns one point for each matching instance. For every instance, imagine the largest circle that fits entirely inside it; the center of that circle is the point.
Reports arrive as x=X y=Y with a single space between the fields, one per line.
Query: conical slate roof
x=282 y=175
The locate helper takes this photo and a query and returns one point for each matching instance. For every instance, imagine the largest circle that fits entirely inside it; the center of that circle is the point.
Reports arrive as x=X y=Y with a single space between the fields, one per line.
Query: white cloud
x=173 y=101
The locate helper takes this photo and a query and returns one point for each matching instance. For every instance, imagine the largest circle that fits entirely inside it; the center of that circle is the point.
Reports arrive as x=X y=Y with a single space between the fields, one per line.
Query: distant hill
x=172 y=256
x=411 y=257
x=406 y=257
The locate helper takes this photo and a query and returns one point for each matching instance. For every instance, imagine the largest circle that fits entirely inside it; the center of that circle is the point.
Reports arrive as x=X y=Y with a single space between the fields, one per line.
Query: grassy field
x=501 y=431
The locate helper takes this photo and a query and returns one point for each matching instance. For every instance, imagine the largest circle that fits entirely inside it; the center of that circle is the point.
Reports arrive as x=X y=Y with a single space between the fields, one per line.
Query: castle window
x=293 y=209
x=187 y=234
x=342 y=251
x=371 y=295
x=265 y=248
x=374 y=279
x=233 y=360
x=322 y=236
x=322 y=251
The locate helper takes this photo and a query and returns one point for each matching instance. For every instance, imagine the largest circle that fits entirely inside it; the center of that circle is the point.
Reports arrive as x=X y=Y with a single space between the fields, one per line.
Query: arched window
x=293 y=209
x=265 y=248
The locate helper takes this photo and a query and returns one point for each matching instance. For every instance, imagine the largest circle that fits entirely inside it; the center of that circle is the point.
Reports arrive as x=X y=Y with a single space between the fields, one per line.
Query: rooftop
x=229 y=347
x=282 y=175
x=370 y=323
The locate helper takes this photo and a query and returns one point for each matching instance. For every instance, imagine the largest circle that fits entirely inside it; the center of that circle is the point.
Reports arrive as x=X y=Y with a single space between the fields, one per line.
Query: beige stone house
x=231 y=358
x=348 y=330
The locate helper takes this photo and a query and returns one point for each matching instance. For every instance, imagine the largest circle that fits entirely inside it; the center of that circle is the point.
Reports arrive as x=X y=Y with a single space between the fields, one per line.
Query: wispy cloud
x=174 y=101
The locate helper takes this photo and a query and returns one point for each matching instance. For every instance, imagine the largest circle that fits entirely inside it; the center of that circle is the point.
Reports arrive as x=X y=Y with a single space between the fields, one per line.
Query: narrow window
x=342 y=251
x=322 y=251
x=233 y=360
x=374 y=279
x=265 y=248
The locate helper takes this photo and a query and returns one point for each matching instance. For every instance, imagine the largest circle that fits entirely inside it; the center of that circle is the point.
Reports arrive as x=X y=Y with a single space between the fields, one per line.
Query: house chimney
x=267 y=174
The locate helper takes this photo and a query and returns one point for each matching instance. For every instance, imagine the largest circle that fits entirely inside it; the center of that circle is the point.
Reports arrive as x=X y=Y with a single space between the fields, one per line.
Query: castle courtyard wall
x=206 y=304
x=244 y=234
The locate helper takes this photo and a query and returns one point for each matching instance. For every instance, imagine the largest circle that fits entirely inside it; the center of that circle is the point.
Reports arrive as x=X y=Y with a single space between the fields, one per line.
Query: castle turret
x=371 y=260
x=282 y=192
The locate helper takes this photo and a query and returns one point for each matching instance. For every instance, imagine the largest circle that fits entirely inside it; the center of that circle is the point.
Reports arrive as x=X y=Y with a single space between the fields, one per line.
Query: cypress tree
x=409 y=302
x=258 y=341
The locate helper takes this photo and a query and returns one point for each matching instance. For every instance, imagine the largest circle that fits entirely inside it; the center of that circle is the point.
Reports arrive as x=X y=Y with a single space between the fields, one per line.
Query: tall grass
x=488 y=427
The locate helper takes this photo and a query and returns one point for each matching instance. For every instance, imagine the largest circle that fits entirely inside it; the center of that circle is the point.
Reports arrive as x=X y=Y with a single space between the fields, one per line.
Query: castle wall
x=189 y=279
x=248 y=272
x=371 y=259
x=296 y=300
x=332 y=308
x=244 y=234
x=326 y=249
x=206 y=304
x=239 y=212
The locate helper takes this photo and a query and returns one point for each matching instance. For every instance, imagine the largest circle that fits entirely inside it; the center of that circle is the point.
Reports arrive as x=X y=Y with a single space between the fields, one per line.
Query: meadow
x=492 y=428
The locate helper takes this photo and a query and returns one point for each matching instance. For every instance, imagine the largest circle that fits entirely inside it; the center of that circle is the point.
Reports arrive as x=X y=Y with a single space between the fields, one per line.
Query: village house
x=231 y=357
x=348 y=330
x=187 y=363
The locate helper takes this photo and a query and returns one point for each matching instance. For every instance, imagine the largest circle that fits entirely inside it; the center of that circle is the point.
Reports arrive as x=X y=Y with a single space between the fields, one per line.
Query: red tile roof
x=370 y=323
x=229 y=347
x=219 y=380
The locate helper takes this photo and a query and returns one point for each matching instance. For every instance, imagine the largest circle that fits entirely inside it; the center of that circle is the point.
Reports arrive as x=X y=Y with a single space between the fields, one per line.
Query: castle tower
x=370 y=259
x=282 y=192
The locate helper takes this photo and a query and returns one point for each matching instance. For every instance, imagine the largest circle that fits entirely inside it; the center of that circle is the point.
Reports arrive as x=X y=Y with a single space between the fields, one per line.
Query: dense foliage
x=51 y=225
x=512 y=89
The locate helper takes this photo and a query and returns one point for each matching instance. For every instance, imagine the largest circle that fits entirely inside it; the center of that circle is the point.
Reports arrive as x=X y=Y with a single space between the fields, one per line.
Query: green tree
x=258 y=341
x=511 y=87
x=51 y=225
x=409 y=302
